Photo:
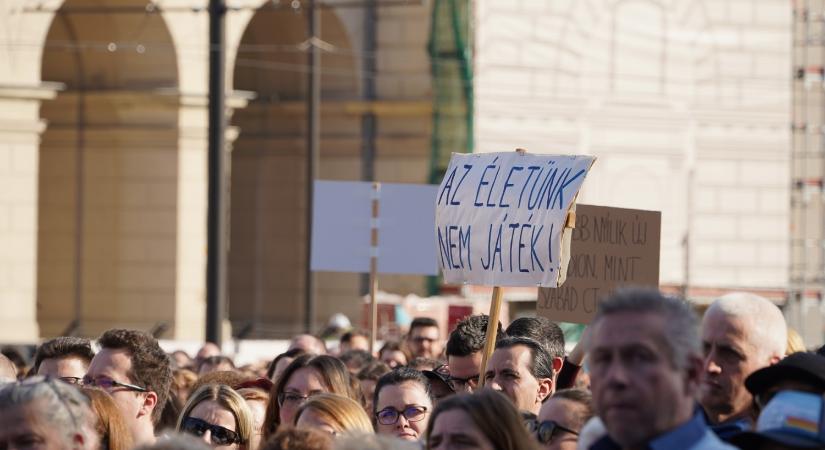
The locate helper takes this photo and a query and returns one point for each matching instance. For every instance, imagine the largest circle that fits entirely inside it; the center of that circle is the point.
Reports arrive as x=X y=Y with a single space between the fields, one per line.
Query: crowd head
x=654 y=376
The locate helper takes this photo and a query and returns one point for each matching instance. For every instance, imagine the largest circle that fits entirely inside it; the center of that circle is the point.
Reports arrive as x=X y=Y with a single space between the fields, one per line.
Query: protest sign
x=500 y=217
x=342 y=226
x=611 y=247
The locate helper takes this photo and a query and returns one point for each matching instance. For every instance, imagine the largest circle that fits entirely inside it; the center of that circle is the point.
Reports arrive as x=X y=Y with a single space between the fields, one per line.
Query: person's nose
x=494 y=385
x=711 y=367
x=402 y=422
x=617 y=375
x=207 y=437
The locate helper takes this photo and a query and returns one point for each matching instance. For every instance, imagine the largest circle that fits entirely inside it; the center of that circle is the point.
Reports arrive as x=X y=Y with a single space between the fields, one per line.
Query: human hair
x=541 y=364
x=399 y=376
x=227 y=398
x=227 y=377
x=184 y=381
x=766 y=326
x=110 y=425
x=492 y=414
x=298 y=439
x=356 y=358
x=795 y=342
x=64 y=347
x=319 y=347
x=151 y=366
x=583 y=398
x=681 y=335
x=542 y=330
x=470 y=335
x=294 y=353
x=176 y=441
x=333 y=374
x=215 y=361
x=347 y=337
x=392 y=346
x=373 y=371
x=342 y=413
x=373 y=442
x=59 y=404
x=421 y=322
x=424 y=363
x=253 y=394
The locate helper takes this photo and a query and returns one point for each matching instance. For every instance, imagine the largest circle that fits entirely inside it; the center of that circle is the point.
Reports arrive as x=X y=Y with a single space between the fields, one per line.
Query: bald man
x=741 y=333
x=8 y=371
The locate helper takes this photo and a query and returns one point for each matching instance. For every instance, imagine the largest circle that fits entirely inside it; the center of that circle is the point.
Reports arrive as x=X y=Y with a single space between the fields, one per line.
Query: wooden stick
x=376 y=188
x=492 y=330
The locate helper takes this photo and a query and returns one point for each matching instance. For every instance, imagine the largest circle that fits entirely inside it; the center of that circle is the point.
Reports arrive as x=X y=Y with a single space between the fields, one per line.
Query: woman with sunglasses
x=306 y=376
x=562 y=417
x=402 y=404
x=218 y=415
x=486 y=420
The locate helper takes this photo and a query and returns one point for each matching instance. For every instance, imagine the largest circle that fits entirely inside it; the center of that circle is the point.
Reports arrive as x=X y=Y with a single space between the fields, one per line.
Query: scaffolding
x=807 y=165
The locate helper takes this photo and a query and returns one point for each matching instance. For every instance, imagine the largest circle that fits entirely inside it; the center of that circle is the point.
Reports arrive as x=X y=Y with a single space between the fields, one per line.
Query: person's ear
x=150 y=401
x=557 y=364
x=545 y=389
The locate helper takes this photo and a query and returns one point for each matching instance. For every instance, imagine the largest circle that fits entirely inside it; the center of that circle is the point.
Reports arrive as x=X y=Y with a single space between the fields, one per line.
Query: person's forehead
x=452 y=422
x=560 y=410
x=629 y=328
x=718 y=326
x=517 y=356
x=305 y=378
x=400 y=395
x=109 y=361
x=214 y=413
x=425 y=330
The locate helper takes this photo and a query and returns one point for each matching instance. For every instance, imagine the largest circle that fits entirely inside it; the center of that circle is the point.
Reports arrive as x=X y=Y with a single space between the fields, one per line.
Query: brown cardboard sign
x=611 y=247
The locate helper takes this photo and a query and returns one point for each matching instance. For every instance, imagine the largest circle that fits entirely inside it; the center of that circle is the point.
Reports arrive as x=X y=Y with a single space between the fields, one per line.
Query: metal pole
x=216 y=219
x=313 y=141
x=368 y=120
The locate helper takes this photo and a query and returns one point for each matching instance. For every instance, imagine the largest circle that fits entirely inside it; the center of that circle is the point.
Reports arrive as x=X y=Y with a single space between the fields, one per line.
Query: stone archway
x=268 y=201
x=108 y=171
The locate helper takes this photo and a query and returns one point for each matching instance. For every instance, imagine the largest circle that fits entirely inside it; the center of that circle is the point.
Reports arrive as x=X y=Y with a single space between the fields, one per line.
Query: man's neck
x=143 y=433
x=716 y=419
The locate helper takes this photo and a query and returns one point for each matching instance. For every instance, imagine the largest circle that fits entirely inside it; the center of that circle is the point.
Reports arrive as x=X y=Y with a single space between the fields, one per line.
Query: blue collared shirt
x=691 y=435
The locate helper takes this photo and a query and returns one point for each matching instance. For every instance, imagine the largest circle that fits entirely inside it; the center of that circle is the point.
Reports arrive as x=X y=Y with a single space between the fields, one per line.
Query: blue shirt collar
x=683 y=436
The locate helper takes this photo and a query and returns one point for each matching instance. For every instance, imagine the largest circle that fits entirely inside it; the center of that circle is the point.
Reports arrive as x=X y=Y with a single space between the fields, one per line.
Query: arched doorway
x=108 y=170
x=267 y=255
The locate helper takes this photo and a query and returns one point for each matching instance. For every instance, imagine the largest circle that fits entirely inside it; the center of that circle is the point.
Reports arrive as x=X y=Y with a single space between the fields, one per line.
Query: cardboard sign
x=500 y=217
x=342 y=223
x=611 y=247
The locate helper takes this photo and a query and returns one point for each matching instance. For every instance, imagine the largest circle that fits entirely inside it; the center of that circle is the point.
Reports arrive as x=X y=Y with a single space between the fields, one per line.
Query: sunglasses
x=107 y=384
x=546 y=430
x=218 y=434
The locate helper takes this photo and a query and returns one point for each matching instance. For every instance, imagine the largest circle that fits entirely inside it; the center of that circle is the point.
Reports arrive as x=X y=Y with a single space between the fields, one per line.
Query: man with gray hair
x=741 y=333
x=646 y=364
x=50 y=413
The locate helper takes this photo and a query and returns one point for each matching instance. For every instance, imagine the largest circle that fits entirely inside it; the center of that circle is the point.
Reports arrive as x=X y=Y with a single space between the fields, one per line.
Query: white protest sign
x=500 y=217
x=342 y=223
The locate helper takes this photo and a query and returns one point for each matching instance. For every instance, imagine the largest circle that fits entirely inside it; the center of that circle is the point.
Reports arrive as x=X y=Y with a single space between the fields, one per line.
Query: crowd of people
x=647 y=374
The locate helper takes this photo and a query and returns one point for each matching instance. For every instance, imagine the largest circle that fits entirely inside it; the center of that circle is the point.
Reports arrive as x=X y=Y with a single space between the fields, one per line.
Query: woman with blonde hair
x=333 y=414
x=110 y=424
x=218 y=415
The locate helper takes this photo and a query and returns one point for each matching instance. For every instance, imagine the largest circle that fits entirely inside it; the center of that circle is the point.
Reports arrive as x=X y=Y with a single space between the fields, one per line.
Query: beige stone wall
x=685 y=103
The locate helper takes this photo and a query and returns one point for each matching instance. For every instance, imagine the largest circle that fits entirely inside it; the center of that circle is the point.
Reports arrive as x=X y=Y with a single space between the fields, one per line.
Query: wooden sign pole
x=492 y=330
x=376 y=189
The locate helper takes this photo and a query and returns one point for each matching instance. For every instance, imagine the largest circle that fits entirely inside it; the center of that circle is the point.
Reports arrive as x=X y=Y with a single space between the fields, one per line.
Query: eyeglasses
x=390 y=415
x=107 y=384
x=291 y=398
x=217 y=434
x=548 y=428
x=459 y=384
x=71 y=380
